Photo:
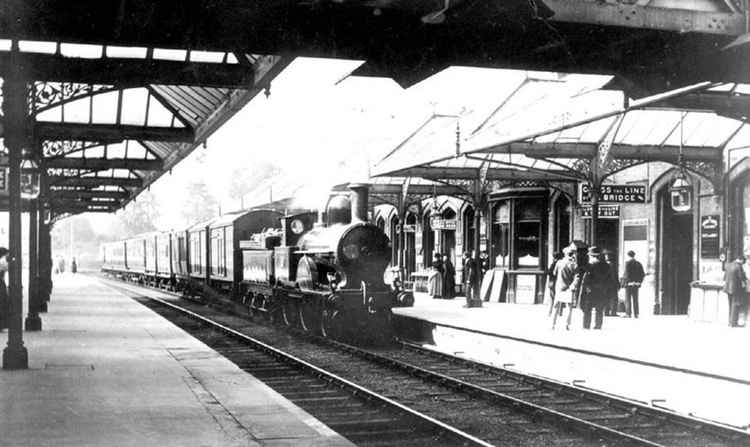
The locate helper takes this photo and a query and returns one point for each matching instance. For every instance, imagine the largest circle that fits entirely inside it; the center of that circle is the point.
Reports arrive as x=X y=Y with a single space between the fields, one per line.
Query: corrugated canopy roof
x=133 y=116
x=551 y=132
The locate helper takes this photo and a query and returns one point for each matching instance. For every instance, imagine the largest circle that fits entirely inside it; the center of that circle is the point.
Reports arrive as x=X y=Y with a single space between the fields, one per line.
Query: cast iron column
x=33 y=322
x=594 y=211
x=476 y=299
x=45 y=262
x=15 y=355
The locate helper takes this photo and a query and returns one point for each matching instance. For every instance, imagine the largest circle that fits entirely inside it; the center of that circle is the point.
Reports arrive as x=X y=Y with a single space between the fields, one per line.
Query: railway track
x=362 y=416
x=500 y=407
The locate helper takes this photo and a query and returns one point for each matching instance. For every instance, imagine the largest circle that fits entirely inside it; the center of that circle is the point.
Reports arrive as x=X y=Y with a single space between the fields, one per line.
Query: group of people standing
x=591 y=282
x=60 y=265
x=442 y=282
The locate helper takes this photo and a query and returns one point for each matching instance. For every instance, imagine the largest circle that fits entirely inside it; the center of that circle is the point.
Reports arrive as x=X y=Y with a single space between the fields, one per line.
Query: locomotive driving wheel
x=290 y=312
x=332 y=324
x=311 y=317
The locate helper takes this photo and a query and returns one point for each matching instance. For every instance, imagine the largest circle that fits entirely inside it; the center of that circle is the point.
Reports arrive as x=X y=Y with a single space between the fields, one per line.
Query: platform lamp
x=681 y=190
x=29 y=179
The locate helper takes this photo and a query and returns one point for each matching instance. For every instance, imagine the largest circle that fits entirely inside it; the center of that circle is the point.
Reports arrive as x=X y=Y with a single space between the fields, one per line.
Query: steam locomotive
x=325 y=278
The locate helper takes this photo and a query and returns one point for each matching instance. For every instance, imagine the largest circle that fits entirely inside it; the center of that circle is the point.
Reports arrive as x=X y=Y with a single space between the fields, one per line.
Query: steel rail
x=333 y=378
x=615 y=400
x=442 y=379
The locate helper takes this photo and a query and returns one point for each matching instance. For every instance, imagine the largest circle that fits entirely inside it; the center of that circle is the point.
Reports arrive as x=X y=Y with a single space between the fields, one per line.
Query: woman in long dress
x=436 y=277
x=449 y=278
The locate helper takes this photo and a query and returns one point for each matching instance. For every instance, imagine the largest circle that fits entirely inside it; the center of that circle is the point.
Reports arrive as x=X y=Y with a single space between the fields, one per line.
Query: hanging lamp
x=681 y=190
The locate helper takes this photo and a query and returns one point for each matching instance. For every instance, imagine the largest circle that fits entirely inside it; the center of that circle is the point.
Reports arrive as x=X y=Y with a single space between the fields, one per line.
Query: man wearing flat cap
x=594 y=288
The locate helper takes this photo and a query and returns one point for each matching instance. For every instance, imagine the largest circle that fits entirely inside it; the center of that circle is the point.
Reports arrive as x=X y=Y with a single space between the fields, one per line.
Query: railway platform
x=107 y=371
x=697 y=369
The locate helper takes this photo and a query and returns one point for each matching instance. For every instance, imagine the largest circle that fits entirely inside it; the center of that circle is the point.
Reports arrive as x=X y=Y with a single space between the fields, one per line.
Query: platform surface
x=700 y=369
x=107 y=371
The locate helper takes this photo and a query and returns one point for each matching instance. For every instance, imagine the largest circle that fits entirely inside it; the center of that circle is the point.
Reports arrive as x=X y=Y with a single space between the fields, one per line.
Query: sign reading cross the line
x=616 y=193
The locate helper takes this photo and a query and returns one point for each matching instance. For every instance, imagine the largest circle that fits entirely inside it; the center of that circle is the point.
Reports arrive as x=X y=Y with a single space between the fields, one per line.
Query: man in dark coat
x=734 y=286
x=594 y=288
x=470 y=276
x=613 y=285
x=632 y=280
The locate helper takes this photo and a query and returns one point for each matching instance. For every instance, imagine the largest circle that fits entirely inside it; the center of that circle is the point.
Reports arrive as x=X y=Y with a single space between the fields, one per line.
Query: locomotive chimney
x=359 y=201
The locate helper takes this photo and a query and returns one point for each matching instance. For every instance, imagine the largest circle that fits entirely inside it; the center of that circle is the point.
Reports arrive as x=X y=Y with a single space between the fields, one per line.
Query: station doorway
x=428 y=241
x=675 y=231
x=410 y=253
x=448 y=235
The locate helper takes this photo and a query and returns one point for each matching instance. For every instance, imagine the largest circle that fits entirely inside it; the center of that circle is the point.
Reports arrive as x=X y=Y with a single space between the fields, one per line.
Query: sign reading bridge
x=616 y=193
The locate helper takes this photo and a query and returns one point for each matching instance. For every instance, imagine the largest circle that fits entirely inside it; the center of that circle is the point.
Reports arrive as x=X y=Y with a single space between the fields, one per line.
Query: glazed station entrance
x=675 y=232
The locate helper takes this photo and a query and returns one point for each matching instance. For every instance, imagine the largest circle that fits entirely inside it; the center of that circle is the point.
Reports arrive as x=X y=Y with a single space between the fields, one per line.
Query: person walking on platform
x=469 y=276
x=565 y=275
x=4 y=303
x=594 y=288
x=449 y=278
x=734 y=286
x=436 y=277
x=613 y=284
x=632 y=280
x=551 y=277
x=73 y=266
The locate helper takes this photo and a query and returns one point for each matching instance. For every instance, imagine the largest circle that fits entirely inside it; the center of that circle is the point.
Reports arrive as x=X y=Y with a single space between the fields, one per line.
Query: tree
x=245 y=179
x=140 y=214
x=200 y=204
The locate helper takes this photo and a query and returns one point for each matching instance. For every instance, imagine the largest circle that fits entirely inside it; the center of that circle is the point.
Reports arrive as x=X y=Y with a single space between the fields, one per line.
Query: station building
x=682 y=238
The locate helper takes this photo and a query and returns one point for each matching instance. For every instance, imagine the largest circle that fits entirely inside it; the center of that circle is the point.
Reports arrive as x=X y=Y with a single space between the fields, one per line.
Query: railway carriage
x=150 y=261
x=135 y=257
x=197 y=242
x=113 y=257
x=180 y=256
x=164 y=264
x=225 y=233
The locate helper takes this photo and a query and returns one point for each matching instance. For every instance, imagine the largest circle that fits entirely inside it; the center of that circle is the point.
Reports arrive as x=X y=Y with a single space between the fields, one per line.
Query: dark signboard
x=605 y=211
x=616 y=193
x=710 y=236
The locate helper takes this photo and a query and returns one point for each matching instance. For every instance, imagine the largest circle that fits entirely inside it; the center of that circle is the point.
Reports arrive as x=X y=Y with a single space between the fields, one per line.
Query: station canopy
x=563 y=130
x=107 y=121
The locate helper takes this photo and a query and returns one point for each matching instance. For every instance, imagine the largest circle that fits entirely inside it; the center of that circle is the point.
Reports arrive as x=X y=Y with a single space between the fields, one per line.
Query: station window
x=528 y=233
x=501 y=234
